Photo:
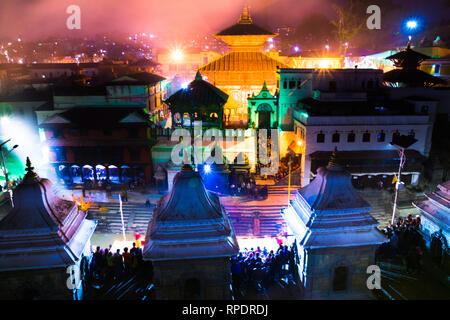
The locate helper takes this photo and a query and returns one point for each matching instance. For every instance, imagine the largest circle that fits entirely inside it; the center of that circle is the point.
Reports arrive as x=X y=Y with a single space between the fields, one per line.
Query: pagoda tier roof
x=240 y=29
x=97 y=117
x=244 y=61
x=409 y=54
x=199 y=94
x=189 y=222
x=244 y=27
x=411 y=76
x=437 y=207
x=42 y=230
x=329 y=212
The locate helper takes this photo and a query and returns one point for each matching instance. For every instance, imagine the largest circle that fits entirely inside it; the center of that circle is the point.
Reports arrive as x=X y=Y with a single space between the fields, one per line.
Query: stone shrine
x=190 y=241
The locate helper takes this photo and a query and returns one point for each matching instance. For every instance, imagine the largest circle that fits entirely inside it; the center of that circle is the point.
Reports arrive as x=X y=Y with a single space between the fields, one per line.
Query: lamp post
x=400 y=142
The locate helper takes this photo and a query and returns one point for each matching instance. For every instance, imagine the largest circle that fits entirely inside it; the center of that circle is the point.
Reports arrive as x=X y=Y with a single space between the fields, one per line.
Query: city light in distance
x=177 y=55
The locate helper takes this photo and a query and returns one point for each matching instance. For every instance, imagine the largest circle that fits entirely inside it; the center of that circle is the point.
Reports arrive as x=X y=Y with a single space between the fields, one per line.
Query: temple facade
x=242 y=71
x=335 y=234
x=44 y=244
x=190 y=241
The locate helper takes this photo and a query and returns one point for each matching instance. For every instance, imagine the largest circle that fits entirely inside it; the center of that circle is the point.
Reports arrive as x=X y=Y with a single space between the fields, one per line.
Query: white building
x=345 y=108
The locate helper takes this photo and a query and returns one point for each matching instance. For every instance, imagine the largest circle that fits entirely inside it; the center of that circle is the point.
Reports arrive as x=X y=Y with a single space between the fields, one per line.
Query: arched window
x=351 y=137
x=381 y=136
x=320 y=137
x=366 y=137
x=335 y=137
x=395 y=135
x=340 y=278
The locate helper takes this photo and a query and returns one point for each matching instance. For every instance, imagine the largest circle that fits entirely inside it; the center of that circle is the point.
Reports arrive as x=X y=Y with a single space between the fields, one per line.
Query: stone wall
x=213 y=275
x=319 y=272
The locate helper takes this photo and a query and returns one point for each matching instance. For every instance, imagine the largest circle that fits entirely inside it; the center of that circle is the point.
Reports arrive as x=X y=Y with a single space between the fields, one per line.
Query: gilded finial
x=245 y=17
x=334 y=159
x=29 y=169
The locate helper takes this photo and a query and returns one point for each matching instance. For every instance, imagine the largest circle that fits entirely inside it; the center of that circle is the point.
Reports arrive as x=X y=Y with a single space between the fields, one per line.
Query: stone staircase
x=249 y=215
x=135 y=215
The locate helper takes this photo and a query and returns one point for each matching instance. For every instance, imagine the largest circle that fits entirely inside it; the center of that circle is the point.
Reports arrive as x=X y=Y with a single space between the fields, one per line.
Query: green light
x=304 y=114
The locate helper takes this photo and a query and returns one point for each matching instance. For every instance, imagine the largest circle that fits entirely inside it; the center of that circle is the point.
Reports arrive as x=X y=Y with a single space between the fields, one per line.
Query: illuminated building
x=100 y=132
x=199 y=101
x=339 y=107
x=42 y=239
x=263 y=109
x=190 y=241
x=242 y=71
x=98 y=143
x=335 y=234
x=183 y=62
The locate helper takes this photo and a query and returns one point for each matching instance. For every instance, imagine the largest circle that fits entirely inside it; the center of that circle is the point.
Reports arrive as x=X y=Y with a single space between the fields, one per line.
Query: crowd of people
x=258 y=269
x=114 y=266
x=405 y=242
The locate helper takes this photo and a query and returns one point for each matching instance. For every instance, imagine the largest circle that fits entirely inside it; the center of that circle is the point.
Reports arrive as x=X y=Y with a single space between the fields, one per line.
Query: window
x=395 y=135
x=299 y=83
x=437 y=69
x=335 y=137
x=363 y=84
x=351 y=137
x=284 y=84
x=291 y=84
x=381 y=136
x=340 y=279
x=320 y=137
x=366 y=137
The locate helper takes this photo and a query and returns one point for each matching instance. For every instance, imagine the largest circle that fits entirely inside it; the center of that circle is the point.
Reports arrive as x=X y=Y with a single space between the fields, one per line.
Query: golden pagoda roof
x=245 y=26
x=243 y=61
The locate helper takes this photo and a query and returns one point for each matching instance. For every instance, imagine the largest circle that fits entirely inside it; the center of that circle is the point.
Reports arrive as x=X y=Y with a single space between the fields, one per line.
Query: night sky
x=34 y=19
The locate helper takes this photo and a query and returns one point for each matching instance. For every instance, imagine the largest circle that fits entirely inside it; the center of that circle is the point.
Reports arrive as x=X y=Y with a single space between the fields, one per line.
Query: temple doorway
x=340 y=278
x=264 y=111
x=76 y=174
x=114 y=174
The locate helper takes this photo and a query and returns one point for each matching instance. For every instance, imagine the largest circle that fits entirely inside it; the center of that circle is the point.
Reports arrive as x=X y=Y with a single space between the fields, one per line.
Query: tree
x=348 y=23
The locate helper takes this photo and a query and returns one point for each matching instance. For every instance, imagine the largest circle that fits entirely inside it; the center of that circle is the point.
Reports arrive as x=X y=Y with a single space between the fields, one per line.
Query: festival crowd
x=258 y=269
x=405 y=242
x=109 y=266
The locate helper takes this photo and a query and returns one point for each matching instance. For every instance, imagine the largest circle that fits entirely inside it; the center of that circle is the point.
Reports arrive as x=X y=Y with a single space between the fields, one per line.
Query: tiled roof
x=240 y=29
x=243 y=61
x=199 y=93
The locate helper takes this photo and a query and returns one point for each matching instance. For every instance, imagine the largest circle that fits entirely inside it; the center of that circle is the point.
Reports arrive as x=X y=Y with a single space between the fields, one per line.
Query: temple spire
x=198 y=76
x=30 y=175
x=245 y=17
